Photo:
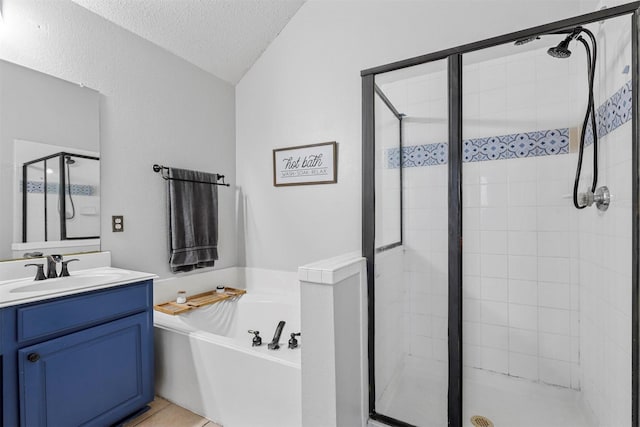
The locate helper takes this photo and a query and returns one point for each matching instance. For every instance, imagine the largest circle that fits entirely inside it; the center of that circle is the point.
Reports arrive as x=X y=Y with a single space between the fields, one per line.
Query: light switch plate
x=117 y=223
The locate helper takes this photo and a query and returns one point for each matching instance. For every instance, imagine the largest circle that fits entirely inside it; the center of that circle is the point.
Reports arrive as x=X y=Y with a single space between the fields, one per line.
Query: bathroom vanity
x=76 y=350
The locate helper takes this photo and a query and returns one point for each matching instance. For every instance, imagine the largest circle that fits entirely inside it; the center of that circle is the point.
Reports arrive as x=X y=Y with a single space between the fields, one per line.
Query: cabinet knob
x=33 y=357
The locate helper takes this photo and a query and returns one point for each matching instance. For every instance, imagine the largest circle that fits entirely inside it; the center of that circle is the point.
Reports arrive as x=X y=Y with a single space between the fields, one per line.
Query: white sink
x=70 y=282
x=26 y=290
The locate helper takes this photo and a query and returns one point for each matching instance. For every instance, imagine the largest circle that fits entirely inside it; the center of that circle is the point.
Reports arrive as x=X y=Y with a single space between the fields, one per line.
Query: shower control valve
x=257 y=340
x=602 y=198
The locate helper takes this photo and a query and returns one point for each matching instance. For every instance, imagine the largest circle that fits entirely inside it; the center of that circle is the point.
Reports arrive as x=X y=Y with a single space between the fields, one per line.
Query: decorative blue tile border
x=54 y=188
x=531 y=144
x=516 y=145
x=613 y=113
x=418 y=155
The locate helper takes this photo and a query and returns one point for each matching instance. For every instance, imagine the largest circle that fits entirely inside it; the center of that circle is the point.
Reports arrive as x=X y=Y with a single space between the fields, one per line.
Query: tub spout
x=274 y=344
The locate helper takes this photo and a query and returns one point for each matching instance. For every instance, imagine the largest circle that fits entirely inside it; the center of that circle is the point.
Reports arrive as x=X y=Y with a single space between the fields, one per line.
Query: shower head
x=561 y=50
x=520 y=42
x=69 y=160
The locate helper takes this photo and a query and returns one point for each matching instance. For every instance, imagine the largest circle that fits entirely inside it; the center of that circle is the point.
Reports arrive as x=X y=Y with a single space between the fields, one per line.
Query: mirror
x=49 y=165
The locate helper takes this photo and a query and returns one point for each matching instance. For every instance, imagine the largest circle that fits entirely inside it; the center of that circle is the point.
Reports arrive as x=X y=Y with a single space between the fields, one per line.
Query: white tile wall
x=427 y=270
x=513 y=212
x=605 y=254
x=425 y=218
x=606 y=291
x=518 y=222
x=391 y=313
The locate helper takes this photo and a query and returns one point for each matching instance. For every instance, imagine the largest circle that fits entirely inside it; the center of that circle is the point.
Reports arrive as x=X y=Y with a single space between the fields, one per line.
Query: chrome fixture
x=601 y=197
x=275 y=342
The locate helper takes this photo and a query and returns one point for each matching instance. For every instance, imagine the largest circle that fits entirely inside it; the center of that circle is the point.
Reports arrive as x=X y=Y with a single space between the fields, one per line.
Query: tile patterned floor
x=166 y=414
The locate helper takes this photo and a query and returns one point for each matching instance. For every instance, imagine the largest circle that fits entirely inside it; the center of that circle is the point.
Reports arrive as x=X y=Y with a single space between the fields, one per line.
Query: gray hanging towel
x=193 y=220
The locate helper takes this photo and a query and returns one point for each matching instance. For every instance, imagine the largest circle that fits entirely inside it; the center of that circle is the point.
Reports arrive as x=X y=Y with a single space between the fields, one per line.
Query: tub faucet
x=274 y=344
x=257 y=340
x=293 y=342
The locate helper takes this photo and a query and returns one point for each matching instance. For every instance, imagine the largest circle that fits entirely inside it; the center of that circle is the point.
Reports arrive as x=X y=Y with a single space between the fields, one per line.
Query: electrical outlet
x=117 y=223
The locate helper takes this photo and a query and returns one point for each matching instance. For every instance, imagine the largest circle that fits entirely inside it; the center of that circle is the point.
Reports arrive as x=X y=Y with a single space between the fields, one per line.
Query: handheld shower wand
x=599 y=196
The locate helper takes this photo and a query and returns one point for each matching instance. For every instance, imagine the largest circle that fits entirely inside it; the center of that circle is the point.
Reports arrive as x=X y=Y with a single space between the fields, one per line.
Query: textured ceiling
x=223 y=37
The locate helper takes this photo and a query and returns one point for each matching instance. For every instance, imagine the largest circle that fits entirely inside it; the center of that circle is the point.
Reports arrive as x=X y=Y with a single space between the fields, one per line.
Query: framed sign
x=305 y=165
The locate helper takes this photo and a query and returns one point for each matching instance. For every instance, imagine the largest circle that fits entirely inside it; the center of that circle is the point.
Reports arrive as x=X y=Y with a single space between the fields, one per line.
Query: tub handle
x=257 y=340
x=293 y=342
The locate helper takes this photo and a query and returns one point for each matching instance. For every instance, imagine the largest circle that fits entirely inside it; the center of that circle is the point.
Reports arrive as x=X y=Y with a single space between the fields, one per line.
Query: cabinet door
x=93 y=377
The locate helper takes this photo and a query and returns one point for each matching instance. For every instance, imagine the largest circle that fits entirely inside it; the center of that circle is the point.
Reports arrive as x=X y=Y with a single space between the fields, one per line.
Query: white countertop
x=20 y=291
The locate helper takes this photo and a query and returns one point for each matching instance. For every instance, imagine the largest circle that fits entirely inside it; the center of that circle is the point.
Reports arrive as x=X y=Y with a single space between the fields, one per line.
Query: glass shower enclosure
x=60 y=197
x=501 y=229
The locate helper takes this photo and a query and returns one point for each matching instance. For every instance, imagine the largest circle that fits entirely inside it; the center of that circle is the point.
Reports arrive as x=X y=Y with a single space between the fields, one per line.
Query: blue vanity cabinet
x=81 y=360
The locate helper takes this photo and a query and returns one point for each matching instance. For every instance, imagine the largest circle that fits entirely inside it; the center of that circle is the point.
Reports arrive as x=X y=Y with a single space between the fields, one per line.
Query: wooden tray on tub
x=199 y=300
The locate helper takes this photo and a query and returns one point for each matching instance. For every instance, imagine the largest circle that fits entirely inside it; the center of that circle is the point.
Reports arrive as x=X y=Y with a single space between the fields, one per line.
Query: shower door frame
x=454 y=59
x=61 y=194
x=399 y=116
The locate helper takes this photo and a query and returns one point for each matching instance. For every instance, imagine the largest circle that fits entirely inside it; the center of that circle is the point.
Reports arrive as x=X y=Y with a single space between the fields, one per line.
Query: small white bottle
x=220 y=289
x=182 y=297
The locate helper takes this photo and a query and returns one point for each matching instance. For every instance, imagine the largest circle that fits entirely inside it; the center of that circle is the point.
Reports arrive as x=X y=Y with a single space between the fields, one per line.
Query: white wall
x=305 y=89
x=156 y=108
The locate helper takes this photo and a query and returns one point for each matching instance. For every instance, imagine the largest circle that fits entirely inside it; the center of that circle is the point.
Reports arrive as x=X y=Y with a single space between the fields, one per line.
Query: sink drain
x=480 y=421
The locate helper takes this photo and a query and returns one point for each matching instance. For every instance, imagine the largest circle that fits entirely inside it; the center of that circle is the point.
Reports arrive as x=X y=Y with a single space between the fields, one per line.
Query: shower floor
x=417 y=395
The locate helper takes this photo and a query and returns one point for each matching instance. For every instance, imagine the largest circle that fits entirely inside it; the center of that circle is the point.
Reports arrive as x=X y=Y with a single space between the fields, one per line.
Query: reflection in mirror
x=61 y=198
x=49 y=164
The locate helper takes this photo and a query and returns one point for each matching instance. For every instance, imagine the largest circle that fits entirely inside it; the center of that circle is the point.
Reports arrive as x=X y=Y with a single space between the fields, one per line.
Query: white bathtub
x=205 y=361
